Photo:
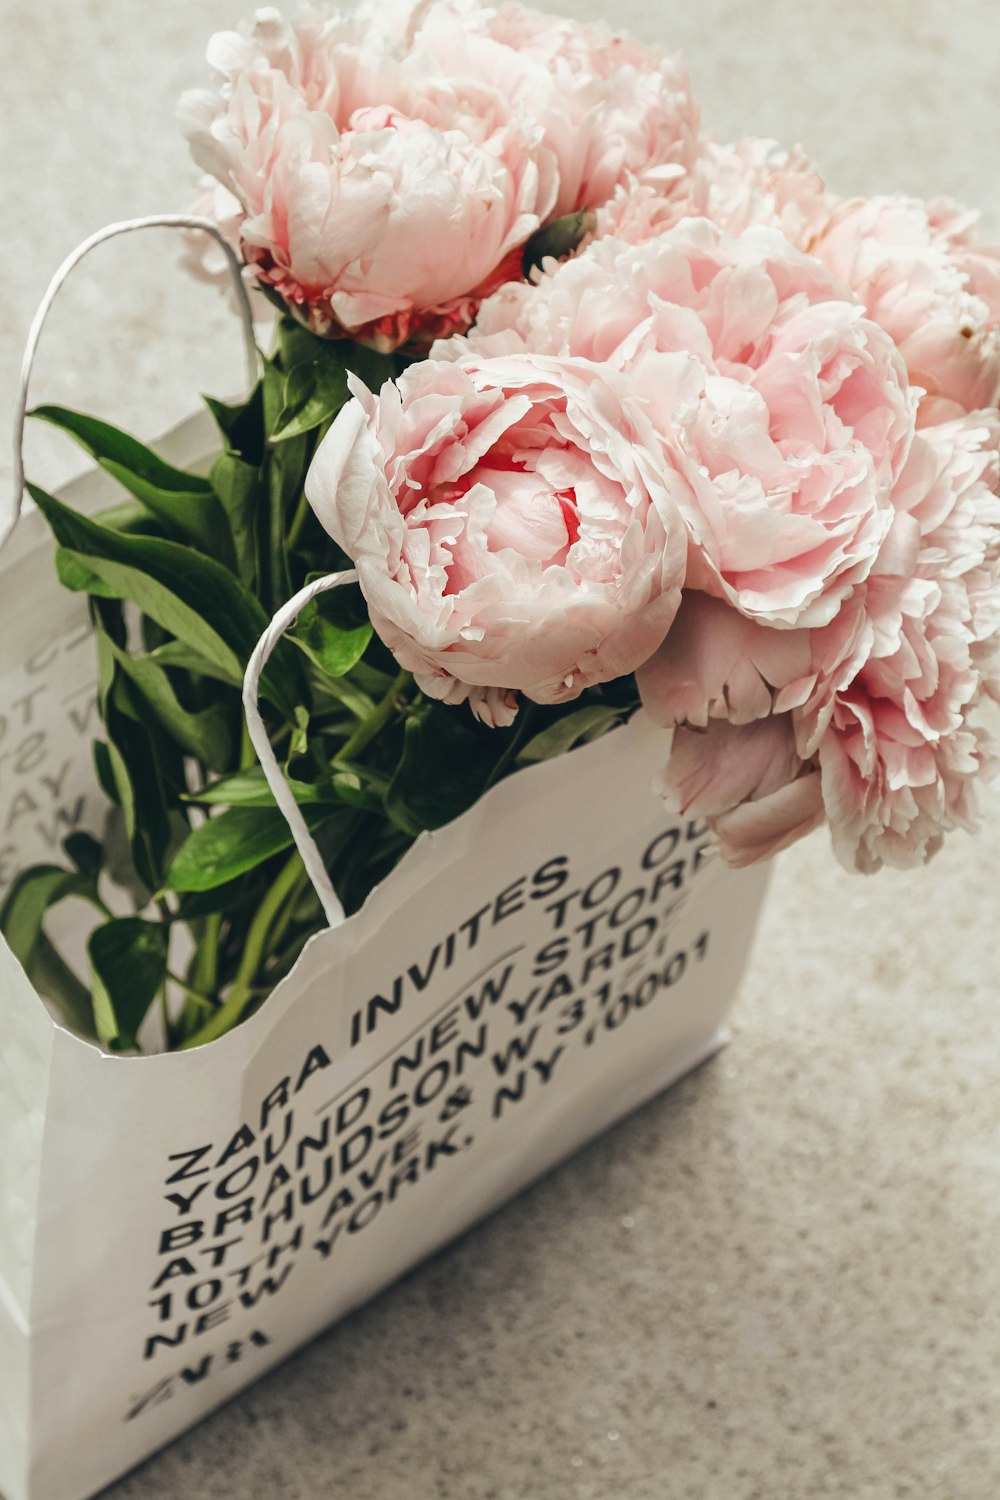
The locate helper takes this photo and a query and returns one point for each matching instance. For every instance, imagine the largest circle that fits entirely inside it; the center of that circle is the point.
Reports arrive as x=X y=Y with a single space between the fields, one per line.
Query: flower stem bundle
x=600 y=411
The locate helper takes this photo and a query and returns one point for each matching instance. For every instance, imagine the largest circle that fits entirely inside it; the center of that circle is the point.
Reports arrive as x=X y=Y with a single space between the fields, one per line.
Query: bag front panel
x=526 y=976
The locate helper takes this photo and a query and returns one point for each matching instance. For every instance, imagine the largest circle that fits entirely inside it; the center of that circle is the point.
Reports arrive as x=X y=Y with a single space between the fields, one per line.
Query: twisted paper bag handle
x=285 y=617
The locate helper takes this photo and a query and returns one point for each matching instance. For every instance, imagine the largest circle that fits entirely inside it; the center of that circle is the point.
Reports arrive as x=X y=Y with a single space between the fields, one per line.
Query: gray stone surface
x=781 y=1280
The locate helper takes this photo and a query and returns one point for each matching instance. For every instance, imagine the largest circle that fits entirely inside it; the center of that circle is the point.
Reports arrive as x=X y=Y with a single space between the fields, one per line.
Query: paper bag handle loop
x=126 y=226
x=282 y=792
x=285 y=617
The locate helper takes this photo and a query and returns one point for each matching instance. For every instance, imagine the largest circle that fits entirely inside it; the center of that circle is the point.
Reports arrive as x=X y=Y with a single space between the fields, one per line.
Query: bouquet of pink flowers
x=600 y=412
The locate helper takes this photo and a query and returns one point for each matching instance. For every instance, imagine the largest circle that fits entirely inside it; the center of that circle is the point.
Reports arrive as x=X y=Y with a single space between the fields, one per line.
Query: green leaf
x=240 y=491
x=225 y=899
x=183 y=502
x=195 y=517
x=53 y=978
x=445 y=766
x=557 y=239
x=176 y=654
x=204 y=733
x=356 y=786
x=316 y=383
x=34 y=891
x=74 y=574
x=128 y=515
x=583 y=725
x=143 y=767
x=242 y=425
x=314 y=392
x=344 y=691
x=287 y=465
x=191 y=596
x=231 y=844
x=105 y=771
x=84 y=851
x=102 y=441
x=249 y=788
x=128 y=966
x=330 y=647
x=371 y=680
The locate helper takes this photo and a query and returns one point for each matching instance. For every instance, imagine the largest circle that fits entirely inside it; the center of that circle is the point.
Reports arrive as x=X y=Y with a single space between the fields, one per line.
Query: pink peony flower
x=717 y=664
x=736 y=186
x=899 y=747
x=611 y=108
x=513 y=524
x=786 y=412
x=923 y=278
x=748 y=780
x=870 y=721
x=380 y=197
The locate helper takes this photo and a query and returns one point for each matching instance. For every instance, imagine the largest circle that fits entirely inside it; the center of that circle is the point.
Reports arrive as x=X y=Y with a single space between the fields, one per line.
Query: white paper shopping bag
x=171 y=1226
x=526 y=976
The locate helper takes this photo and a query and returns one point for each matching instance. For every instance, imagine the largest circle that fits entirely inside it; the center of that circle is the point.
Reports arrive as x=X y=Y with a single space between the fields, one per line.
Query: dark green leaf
x=128 y=515
x=74 y=574
x=183 y=502
x=105 y=771
x=204 y=734
x=53 y=978
x=332 y=649
x=371 y=680
x=314 y=392
x=583 y=725
x=231 y=844
x=346 y=692
x=249 y=788
x=145 y=769
x=191 y=596
x=287 y=467
x=238 y=486
x=445 y=766
x=102 y=441
x=316 y=387
x=195 y=517
x=356 y=786
x=176 y=654
x=128 y=966
x=221 y=899
x=558 y=239
x=242 y=425
x=85 y=853
x=34 y=891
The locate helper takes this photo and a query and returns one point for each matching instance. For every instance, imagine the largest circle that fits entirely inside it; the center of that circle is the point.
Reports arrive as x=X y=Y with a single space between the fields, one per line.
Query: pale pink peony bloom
x=761 y=827
x=900 y=749
x=749 y=182
x=923 y=278
x=872 y=718
x=750 y=784
x=611 y=108
x=717 y=664
x=513 y=524
x=381 y=198
x=786 y=411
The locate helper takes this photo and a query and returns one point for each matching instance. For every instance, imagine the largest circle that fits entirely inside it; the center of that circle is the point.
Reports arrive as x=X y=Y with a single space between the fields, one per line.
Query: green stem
x=248 y=755
x=229 y=1014
x=165 y=1016
x=384 y=711
x=298 y=521
x=191 y=992
x=203 y=973
x=284 y=917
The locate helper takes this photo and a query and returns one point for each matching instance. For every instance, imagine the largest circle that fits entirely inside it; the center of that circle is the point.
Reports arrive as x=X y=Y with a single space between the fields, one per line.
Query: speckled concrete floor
x=781 y=1280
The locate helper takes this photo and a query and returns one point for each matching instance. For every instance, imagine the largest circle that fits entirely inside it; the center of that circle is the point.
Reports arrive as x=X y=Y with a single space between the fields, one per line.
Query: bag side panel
x=26 y=1042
